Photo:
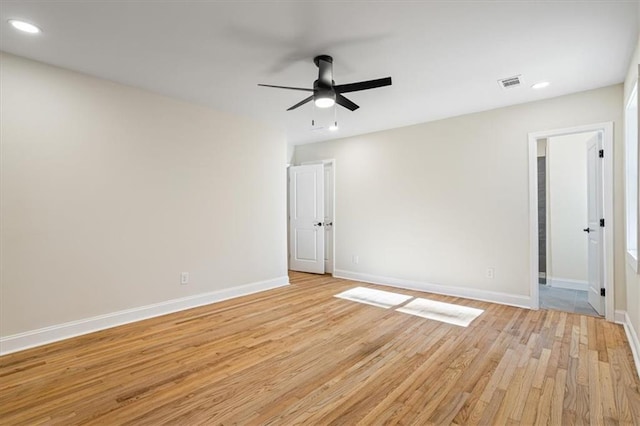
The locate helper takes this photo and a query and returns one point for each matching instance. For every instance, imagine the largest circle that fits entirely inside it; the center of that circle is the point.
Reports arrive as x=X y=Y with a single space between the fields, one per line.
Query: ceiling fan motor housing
x=320 y=91
x=323 y=86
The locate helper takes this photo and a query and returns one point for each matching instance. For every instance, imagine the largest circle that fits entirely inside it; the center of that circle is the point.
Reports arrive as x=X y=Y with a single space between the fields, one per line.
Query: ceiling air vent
x=507 y=83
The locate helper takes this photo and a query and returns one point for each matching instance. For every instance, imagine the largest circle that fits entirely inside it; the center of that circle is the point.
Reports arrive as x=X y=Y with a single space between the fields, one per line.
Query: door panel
x=306 y=192
x=594 y=213
x=305 y=250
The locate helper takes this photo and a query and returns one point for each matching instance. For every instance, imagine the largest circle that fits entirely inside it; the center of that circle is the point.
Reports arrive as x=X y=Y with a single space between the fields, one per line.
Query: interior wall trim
x=54 y=333
x=465 y=292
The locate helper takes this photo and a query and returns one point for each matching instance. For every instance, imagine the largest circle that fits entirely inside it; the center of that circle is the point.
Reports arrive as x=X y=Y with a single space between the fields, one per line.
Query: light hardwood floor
x=297 y=355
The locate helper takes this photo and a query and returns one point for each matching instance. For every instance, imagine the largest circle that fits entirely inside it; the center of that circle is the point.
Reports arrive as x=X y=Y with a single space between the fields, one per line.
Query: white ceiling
x=444 y=57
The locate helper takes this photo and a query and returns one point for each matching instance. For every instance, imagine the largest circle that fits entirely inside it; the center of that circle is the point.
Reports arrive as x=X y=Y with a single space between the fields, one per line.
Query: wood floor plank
x=595 y=409
x=522 y=390
x=544 y=409
x=530 y=408
x=298 y=355
x=610 y=413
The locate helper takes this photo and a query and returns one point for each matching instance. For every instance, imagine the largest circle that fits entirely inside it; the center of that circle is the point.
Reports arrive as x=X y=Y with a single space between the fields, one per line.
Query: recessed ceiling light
x=24 y=26
x=540 y=85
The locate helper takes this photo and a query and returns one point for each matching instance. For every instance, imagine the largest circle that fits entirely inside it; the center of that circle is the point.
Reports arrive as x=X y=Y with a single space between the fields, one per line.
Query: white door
x=328 y=218
x=306 y=218
x=594 y=231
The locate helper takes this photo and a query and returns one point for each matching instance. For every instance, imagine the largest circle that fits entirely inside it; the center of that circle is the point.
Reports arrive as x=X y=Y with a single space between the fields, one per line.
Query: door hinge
x=602 y=223
x=602 y=292
x=601 y=153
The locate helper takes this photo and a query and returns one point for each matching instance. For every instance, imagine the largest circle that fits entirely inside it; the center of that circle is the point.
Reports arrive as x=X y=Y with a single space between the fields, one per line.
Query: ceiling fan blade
x=287 y=87
x=362 y=85
x=341 y=100
x=302 y=102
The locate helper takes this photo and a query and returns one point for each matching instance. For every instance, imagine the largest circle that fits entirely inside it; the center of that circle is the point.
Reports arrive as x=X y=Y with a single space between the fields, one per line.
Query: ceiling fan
x=326 y=93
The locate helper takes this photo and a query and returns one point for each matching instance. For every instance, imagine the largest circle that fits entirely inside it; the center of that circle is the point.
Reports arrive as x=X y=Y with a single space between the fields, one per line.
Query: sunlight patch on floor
x=440 y=311
x=369 y=296
x=431 y=309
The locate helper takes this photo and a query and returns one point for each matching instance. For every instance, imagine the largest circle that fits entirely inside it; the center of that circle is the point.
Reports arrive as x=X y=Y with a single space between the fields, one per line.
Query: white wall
x=290 y=152
x=109 y=192
x=632 y=279
x=441 y=202
x=567 y=174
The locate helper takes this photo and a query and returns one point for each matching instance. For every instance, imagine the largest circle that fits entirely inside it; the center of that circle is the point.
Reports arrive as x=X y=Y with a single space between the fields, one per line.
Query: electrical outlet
x=184 y=278
x=491 y=273
x=355 y=259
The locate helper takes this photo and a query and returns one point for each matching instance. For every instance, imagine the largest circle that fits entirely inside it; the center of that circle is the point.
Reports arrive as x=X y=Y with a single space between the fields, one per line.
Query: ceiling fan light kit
x=326 y=93
x=325 y=100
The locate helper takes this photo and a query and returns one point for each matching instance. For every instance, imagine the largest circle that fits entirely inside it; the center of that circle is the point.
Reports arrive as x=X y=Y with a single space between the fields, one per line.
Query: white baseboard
x=42 y=336
x=623 y=318
x=468 y=293
x=567 y=283
x=620 y=317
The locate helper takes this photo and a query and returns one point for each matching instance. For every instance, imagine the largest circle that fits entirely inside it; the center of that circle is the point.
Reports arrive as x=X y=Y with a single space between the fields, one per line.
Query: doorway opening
x=563 y=246
x=571 y=204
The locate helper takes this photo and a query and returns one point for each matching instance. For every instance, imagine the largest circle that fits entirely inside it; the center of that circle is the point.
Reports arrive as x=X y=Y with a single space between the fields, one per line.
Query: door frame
x=606 y=129
x=331 y=161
